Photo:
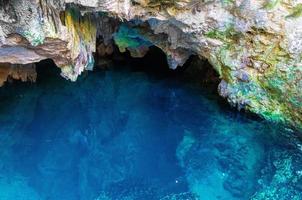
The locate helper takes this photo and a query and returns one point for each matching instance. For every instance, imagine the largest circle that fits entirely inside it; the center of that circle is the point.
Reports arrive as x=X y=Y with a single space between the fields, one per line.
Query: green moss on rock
x=271 y=4
x=296 y=11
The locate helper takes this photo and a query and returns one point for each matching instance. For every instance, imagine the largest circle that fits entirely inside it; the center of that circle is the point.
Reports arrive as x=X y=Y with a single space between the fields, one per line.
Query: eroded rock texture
x=254 y=45
x=17 y=72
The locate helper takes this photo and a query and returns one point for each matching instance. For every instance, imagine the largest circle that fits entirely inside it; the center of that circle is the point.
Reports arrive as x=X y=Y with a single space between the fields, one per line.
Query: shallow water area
x=128 y=134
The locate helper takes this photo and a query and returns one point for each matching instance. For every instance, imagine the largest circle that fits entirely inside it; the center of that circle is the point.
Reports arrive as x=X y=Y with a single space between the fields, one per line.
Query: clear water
x=130 y=135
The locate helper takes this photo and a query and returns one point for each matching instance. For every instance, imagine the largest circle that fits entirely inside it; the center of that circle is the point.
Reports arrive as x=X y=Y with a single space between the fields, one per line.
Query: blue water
x=125 y=134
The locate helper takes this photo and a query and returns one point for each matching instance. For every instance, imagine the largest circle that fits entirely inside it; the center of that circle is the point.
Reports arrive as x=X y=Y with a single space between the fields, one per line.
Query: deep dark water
x=132 y=134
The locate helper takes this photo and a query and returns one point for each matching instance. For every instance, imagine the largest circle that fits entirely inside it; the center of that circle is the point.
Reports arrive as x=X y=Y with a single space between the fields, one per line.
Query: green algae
x=127 y=37
x=296 y=11
x=227 y=2
x=224 y=58
x=276 y=83
x=224 y=62
x=271 y=4
x=35 y=38
x=264 y=94
x=225 y=35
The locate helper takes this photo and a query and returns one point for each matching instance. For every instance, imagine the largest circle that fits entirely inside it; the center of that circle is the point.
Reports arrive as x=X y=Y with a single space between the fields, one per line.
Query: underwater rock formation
x=254 y=45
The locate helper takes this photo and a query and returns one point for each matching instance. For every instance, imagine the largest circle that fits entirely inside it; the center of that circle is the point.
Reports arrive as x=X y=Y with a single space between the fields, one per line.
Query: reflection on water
x=125 y=135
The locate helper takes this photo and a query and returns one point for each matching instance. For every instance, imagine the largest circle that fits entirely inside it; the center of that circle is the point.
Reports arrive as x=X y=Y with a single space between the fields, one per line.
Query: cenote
x=138 y=131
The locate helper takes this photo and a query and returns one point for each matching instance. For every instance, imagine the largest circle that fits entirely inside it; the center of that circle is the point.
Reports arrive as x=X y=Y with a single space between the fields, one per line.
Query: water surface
x=125 y=134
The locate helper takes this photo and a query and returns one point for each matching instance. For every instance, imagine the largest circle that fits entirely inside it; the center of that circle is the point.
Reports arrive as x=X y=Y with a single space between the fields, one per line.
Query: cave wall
x=23 y=73
x=254 y=45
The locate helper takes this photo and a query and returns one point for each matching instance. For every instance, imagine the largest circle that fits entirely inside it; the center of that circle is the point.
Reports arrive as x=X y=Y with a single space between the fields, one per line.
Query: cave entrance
x=47 y=69
x=154 y=63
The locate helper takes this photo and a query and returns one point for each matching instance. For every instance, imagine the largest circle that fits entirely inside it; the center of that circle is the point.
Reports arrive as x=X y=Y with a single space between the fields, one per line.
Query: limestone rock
x=18 y=72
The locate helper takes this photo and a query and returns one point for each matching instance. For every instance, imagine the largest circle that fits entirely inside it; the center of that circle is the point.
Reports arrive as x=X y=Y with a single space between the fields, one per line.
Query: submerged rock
x=254 y=45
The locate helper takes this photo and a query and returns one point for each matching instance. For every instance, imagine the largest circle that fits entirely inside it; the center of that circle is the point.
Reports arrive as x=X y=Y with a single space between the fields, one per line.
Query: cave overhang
x=254 y=46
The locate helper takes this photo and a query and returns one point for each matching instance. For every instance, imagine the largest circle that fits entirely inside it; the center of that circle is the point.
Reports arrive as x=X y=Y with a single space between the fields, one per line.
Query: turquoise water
x=128 y=134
